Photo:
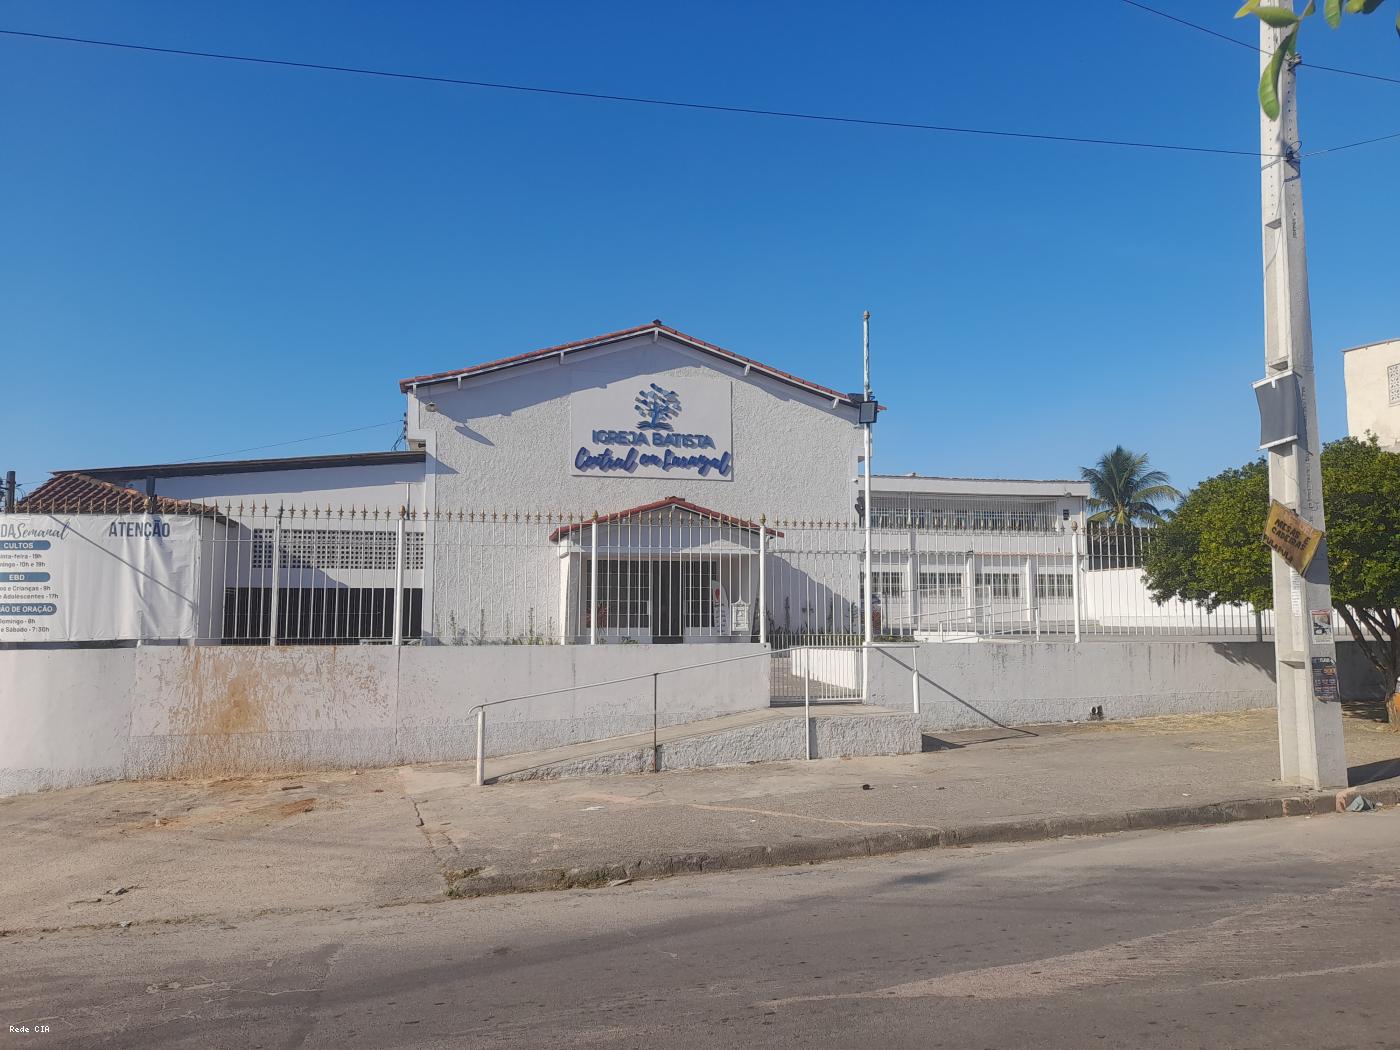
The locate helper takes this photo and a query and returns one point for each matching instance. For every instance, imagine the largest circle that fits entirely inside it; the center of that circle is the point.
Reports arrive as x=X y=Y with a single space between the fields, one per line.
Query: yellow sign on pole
x=1295 y=540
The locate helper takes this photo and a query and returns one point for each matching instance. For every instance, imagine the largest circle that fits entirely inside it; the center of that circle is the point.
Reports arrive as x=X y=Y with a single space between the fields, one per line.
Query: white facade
x=506 y=438
x=1373 y=392
x=642 y=486
x=960 y=554
x=569 y=432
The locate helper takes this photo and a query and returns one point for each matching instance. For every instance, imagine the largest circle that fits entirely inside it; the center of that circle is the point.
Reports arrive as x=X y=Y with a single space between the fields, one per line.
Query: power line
x=1192 y=25
x=298 y=441
x=1252 y=47
x=1353 y=145
x=642 y=100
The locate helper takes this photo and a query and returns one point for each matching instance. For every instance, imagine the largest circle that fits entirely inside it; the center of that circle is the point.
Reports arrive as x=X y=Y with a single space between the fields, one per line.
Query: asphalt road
x=1271 y=934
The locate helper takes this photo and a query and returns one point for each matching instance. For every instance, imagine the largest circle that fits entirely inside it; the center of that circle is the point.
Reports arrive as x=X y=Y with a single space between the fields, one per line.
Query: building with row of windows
x=642 y=485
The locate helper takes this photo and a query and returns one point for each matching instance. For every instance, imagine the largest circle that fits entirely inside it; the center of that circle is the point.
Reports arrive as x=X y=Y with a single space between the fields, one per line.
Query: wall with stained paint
x=71 y=717
x=76 y=717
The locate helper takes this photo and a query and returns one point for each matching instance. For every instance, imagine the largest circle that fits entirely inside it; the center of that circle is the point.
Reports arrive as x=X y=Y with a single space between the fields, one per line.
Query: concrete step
x=768 y=735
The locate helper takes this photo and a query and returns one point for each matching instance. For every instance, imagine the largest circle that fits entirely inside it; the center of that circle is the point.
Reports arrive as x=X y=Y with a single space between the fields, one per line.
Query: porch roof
x=668 y=501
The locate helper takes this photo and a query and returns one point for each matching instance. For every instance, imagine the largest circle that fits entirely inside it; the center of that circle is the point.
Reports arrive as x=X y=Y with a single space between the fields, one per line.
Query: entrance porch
x=664 y=572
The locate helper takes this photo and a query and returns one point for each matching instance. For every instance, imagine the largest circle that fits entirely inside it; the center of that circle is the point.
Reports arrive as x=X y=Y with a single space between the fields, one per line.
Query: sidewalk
x=185 y=850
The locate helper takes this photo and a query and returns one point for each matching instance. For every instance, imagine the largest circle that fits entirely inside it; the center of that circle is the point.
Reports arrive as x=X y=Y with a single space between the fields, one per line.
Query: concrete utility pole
x=1311 y=751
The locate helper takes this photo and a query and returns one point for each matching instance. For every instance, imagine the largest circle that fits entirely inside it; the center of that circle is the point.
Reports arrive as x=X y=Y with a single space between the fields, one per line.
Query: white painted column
x=1032 y=597
x=762 y=580
x=593 y=582
x=1074 y=578
x=398 y=579
x=970 y=589
x=276 y=597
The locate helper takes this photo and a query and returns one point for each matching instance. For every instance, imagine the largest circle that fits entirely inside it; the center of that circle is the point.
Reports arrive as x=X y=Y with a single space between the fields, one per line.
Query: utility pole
x=1311 y=750
x=869 y=513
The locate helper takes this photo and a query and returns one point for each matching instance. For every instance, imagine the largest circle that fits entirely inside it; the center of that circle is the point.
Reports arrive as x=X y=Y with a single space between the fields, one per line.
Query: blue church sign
x=682 y=428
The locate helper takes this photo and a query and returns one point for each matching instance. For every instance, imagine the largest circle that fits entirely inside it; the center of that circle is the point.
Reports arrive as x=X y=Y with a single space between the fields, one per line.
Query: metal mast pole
x=869 y=513
x=1311 y=750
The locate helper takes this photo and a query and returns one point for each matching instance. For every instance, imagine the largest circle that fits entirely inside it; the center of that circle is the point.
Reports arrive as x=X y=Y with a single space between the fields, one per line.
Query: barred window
x=940 y=585
x=624 y=594
x=1392 y=378
x=1000 y=584
x=699 y=609
x=1054 y=585
x=337 y=549
x=889 y=584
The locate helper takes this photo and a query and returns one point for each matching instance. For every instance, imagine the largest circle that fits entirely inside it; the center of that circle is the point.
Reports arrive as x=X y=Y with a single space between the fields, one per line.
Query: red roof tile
x=627 y=333
x=668 y=501
x=81 y=494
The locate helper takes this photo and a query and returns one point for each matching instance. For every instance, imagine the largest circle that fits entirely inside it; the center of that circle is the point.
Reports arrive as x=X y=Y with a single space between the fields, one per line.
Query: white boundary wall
x=71 y=717
x=81 y=716
x=1018 y=683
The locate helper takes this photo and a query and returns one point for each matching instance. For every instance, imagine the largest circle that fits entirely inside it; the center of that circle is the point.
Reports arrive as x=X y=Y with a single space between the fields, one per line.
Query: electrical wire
x=298 y=441
x=1353 y=145
x=643 y=100
x=1258 y=50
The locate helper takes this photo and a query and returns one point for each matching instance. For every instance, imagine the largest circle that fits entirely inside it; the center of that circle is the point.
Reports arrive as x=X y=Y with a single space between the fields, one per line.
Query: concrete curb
x=815 y=851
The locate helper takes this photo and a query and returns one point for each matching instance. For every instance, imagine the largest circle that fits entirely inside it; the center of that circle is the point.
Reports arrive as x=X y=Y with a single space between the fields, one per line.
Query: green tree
x=1279 y=18
x=1125 y=490
x=1212 y=550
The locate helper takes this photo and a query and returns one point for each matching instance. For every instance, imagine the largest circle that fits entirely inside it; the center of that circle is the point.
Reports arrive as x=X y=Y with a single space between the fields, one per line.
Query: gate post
x=593 y=582
x=762 y=580
x=272 y=608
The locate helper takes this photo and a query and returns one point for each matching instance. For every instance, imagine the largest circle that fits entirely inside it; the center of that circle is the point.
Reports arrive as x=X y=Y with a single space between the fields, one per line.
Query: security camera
x=431 y=406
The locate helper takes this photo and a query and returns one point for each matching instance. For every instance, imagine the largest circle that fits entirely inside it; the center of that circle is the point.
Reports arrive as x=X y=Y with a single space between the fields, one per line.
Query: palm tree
x=1125 y=491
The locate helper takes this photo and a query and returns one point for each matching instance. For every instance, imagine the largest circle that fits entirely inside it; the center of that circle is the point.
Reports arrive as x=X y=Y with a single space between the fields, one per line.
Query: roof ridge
x=626 y=333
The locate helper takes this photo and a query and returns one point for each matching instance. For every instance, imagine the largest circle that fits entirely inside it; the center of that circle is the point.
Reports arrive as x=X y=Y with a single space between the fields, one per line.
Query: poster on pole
x=97 y=577
x=1293 y=538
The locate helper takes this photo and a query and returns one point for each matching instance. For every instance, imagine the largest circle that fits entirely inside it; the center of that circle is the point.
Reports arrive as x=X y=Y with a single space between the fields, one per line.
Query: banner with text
x=97 y=577
x=658 y=426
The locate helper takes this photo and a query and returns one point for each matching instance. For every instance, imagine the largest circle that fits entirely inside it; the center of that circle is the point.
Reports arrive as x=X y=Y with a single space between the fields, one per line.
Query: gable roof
x=668 y=501
x=655 y=328
x=80 y=494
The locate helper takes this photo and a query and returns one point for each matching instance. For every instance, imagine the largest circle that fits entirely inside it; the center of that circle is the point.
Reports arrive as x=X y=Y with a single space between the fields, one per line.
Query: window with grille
x=1054 y=585
x=337 y=549
x=624 y=594
x=699 y=610
x=889 y=584
x=940 y=585
x=1392 y=378
x=999 y=584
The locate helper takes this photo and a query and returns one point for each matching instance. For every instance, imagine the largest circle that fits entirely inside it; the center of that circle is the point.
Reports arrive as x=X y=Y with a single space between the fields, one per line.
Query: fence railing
x=815 y=666
x=670 y=573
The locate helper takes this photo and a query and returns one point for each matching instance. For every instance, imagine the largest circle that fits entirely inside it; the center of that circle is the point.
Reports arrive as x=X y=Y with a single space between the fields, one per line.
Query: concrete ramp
x=769 y=735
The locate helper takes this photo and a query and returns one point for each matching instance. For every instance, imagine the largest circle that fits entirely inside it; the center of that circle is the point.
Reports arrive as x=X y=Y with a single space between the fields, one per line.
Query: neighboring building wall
x=1373 y=391
x=378 y=486
x=977 y=504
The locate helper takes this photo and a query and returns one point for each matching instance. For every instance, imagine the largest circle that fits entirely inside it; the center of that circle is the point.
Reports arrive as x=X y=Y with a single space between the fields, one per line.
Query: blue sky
x=204 y=256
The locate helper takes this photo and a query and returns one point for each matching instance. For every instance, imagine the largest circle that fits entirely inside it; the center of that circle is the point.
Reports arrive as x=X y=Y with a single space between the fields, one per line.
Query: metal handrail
x=966 y=614
x=480 y=709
